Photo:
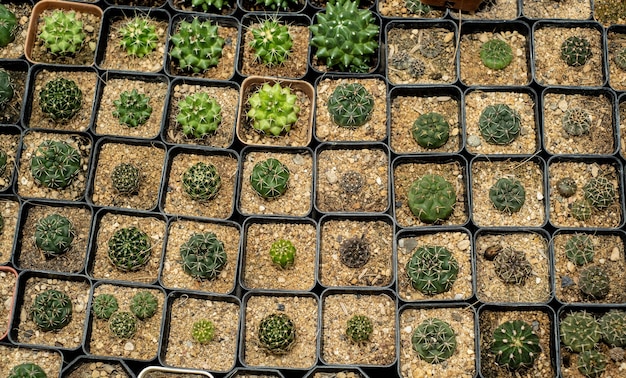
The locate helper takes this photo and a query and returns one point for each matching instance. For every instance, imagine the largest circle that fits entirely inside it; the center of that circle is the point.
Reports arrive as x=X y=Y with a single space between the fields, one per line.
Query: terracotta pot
x=4 y=323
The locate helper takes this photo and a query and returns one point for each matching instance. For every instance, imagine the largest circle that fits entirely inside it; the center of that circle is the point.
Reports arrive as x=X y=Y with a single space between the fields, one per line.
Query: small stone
x=563 y=105
x=463 y=245
x=458 y=297
x=570 y=266
x=473 y=141
x=331 y=176
x=614 y=254
x=539 y=196
x=566 y=281
x=129 y=346
x=407 y=329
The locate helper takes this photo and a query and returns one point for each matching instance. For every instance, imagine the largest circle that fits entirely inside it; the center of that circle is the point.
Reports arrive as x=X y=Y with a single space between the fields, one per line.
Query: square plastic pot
x=51 y=359
x=97 y=365
x=10 y=139
x=17 y=69
x=8 y=286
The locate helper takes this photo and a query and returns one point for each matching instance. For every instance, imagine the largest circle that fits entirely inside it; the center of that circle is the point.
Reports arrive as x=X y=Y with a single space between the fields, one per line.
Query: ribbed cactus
x=580 y=331
x=138 y=37
x=432 y=198
x=62 y=34
x=600 y=192
x=55 y=164
x=199 y=115
x=273 y=109
x=54 y=235
x=6 y=88
x=203 y=256
x=416 y=7
x=132 y=108
x=125 y=178
x=354 y=252
x=283 y=253
x=499 y=124
x=104 y=305
x=201 y=181
x=123 y=324
x=434 y=340
x=581 y=210
x=271 y=42
x=60 y=99
x=196 y=45
x=507 y=195
x=27 y=370
x=576 y=121
x=566 y=187
x=594 y=282
x=359 y=328
x=432 y=269
x=277 y=333
x=8 y=23
x=350 y=105
x=144 y=305
x=613 y=326
x=575 y=51
x=579 y=249
x=208 y=5
x=515 y=345
x=620 y=59
x=129 y=249
x=496 y=54
x=592 y=363
x=276 y=4
x=431 y=130
x=269 y=178
x=203 y=331
x=51 y=310
x=512 y=266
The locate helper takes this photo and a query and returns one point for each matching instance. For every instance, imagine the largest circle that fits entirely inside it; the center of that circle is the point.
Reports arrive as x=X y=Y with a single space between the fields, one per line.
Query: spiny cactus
x=345 y=36
x=55 y=164
x=499 y=124
x=6 y=88
x=431 y=45
x=591 y=363
x=400 y=60
x=51 y=310
x=196 y=45
x=600 y=192
x=277 y=333
x=125 y=178
x=104 y=305
x=580 y=331
x=594 y=282
x=54 y=235
x=496 y=54
x=129 y=249
x=271 y=42
x=3 y=162
x=202 y=182
x=579 y=249
x=199 y=115
x=432 y=198
x=507 y=195
x=354 y=252
x=613 y=326
x=434 y=340
x=581 y=210
x=132 y=108
x=575 y=51
x=270 y=178
x=208 y=5
x=283 y=253
x=62 y=34
x=123 y=324
x=351 y=182
x=273 y=109
x=566 y=187
x=620 y=59
x=60 y=99
x=144 y=305
x=359 y=328
x=276 y=4
x=203 y=256
x=431 y=130
x=203 y=331
x=8 y=24
x=432 y=270
x=515 y=345
x=139 y=37
x=512 y=266
x=416 y=68
x=350 y=105
x=27 y=370
x=576 y=121
x=417 y=8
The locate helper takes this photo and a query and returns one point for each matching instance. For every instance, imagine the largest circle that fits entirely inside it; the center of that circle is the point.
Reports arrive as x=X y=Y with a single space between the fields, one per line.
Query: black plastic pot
x=270 y=373
x=294 y=6
x=15 y=355
x=10 y=139
x=98 y=365
x=18 y=72
x=229 y=7
x=323 y=371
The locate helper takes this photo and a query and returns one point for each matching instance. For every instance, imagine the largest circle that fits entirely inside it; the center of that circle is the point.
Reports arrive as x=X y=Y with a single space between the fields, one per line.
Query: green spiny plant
x=575 y=51
x=199 y=115
x=27 y=370
x=417 y=8
x=576 y=121
x=499 y=124
x=354 y=252
x=359 y=328
x=351 y=182
x=591 y=363
x=432 y=198
x=431 y=130
x=139 y=37
x=434 y=340
x=202 y=182
x=283 y=253
x=580 y=331
x=579 y=249
x=270 y=178
x=203 y=256
x=400 y=60
x=55 y=164
x=512 y=266
x=273 y=109
x=208 y=5
x=276 y=4
x=350 y=105
x=566 y=187
x=125 y=178
x=203 y=331
x=277 y=333
x=432 y=270
x=581 y=210
x=431 y=45
x=6 y=88
x=345 y=36
x=129 y=249
x=613 y=326
x=3 y=162
x=132 y=108
x=62 y=34
x=271 y=42
x=51 y=310
x=507 y=195
x=620 y=59
x=54 y=235
x=609 y=12
x=515 y=344
x=196 y=45
x=8 y=25
x=123 y=324
x=60 y=99
x=594 y=282
x=496 y=54
x=144 y=305
x=600 y=192
x=104 y=305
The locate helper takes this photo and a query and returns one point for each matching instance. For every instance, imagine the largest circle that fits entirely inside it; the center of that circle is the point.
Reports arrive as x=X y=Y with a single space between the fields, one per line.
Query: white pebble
x=473 y=141
x=463 y=245
x=614 y=254
x=129 y=346
x=407 y=329
x=539 y=196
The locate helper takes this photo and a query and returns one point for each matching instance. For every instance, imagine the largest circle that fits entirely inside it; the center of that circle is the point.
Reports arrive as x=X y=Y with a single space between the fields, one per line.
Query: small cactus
x=351 y=182
x=203 y=256
x=1 y=224
x=496 y=54
x=594 y=282
x=201 y=182
x=431 y=130
x=6 y=88
x=3 y=162
x=579 y=249
x=8 y=25
x=591 y=363
x=276 y=4
x=273 y=109
x=575 y=51
x=620 y=59
x=613 y=326
x=431 y=46
x=208 y=5
x=432 y=198
x=199 y=115
x=580 y=331
x=576 y=121
x=600 y=192
x=499 y=124
x=581 y=210
x=512 y=266
x=139 y=37
x=104 y=305
x=416 y=68
x=432 y=270
x=270 y=178
x=132 y=108
x=144 y=305
x=354 y=252
x=566 y=187
x=417 y=8
x=350 y=105
x=359 y=328
x=62 y=34
x=123 y=324
x=283 y=253
x=51 y=310
x=515 y=345
x=129 y=249
x=271 y=42
x=195 y=54
x=507 y=195
x=27 y=370
x=60 y=99
x=55 y=164
x=203 y=331
x=400 y=60
x=434 y=341
x=277 y=333
x=54 y=235
x=125 y=178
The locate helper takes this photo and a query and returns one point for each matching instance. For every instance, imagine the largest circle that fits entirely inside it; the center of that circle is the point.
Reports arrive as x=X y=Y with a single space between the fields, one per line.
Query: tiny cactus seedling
x=594 y=282
x=600 y=192
x=496 y=54
x=271 y=42
x=351 y=182
x=132 y=108
x=434 y=341
x=55 y=164
x=269 y=178
x=432 y=198
x=60 y=99
x=417 y=8
x=507 y=195
x=196 y=54
x=203 y=331
x=432 y=270
x=202 y=182
x=144 y=305
x=125 y=178
x=576 y=121
x=592 y=363
x=499 y=124
x=62 y=34
x=581 y=210
x=431 y=46
x=129 y=249
x=208 y=5
x=400 y=60
x=139 y=37
x=276 y=4
x=6 y=88
x=579 y=249
x=273 y=109
x=123 y=324
x=359 y=328
x=620 y=59
x=354 y=252
x=104 y=305
x=277 y=333
x=515 y=345
x=566 y=187
x=350 y=105
x=283 y=253
x=8 y=25
x=431 y=130
x=416 y=68
x=613 y=326
x=575 y=51
x=51 y=310
x=512 y=266
x=27 y=370
x=203 y=256
x=580 y=331
x=54 y=235
x=199 y=115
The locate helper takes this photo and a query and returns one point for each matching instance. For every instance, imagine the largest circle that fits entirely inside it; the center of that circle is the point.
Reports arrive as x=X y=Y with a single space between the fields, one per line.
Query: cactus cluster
x=620 y=59
x=51 y=310
x=359 y=328
x=62 y=34
x=6 y=88
x=575 y=51
x=600 y=192
x=277 y=333
x=269 y=178
x=196 y=46
x=283 y=253
x=431 y=130
x=203 y=331
x=512 y=266
x=129 y=249
x=104 y=305
x=144 y=305
x=199 y=115
x=208 y=5
x=273 y=109
x=576 y=121
x=125 y=178
x=27 y=370
x=499 y=124
x=432 y=270
x=55 y=164
x=8 y=25
x=132 y=108
x=496 y=54
x=60 y=99
x=350 y=105
x=138 y=37
x=515 y=344
x=276 y=4
x=566 y=187
x=201 y=181
x=271 y=42
x=432 y=198
x=354 y=252
x=123 y=324
x=203 y=256
x=507 y=195
x=594 y=282
x=579 y=249
x=434 y=340
x=54 y=235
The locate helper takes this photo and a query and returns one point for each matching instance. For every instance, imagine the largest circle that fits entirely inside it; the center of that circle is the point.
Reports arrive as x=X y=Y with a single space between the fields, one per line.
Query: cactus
x=144 y=305
x=139 y=37
x=434 y=340
x=566 y=187
x=60 y=99
x=123 y=324
x=6 y=88
x=271 y=42
x=581 y=210
x=132 y=108
x=600 y=192
x=400 y=60
x=277 y=333
x=3 y=162
x=591 y=363
x=594 y=282
x=576 y=121
x=129 y=249
x=201 y=181
x=432 y=198
x=431 y=130
x=54 y=235
x=350 y=105
x=270 y=178
x=515 y=345
x=580 y=331
x=55 y=164
x=51 y=310
x=27 y=370
x=1 y=224
x=507 y=195
x=273 y=109
x=283 y=253
x=499 y=124
x=432 y=270
x=354 y=252
x=62 y=34
x=359 y=328
x=416 y=68
x=575 y=51
x=203 y=331
x=417 y=8
x=125 y=178
x=208 y=5
x=199 y=115
x=579 y=249
x=345 y=36
x=203 y=256
x=431 y=45
x=351 y=182
x=276 y=4
x=104 y=305
x=8 y=25
x=620 y=59
x=496 y=54
x=196 y=45
x=512 y=266
x=613 y=326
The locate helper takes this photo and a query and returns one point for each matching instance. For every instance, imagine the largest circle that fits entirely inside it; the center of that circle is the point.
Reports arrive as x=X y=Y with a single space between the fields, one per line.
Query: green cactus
x=431 y=130
x=196 y=54
x=576 y=121
x=139 y=37
x=591 y=363
x=345 y=36
x=512 y=266
x=132 y=108
x=594 y=282
x=51 y=310
x=27 y=370
x=277 y=333
x=359 y=329
x=271 y=42
x=273 y=109
x=575 y=51
x=3 y=162
x=351 y=182
x=208 y=5
x=507 y=195
x=203 y=256
x=432 y=270
x=499 y=124
x=203 y=331
x=55 y=164
x=123 y=324
x=600 y=192
x=201 y=181
x=580 y=331
x=270 y=178
x=6 y=88
x=283 y=253
x=104 y=305
x=431 y=45
x=496 y=54
x=581 y=210
x=199 y=115
x=620 y=59
x=276 y=4
x=129 y=249
x=400 y=60
x=54 y=235
x=434 y=340
x=566 y=187
x=417 y=8
x=613 y=326
x=8 y=25
x=125 y=178
x=62 y=34
x=144 y=305
x=354 y=252
x=432 y=198
x=579 y=249
x=515 y=345
x=60 y=99
x=350 y=105
x=416 y=68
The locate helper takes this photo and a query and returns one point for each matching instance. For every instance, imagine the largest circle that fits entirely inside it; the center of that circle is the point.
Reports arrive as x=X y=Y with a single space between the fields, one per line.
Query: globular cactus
x=104 y=305
x=351 y=182
x=144 y=305
x=6 y=88
x=55 y=164
x=581 y=210
x=416 y=68
x=196 y=45
x=512 y=266
x=60 y=99
x=345 y=36
x=600 y=192
x=400 y=60
x=354 y=252
x=132 y=108
x=203 y=331
x=201 y=181
x=273 y=109
x=432 y=198
x=432 y=270
x=129 y=249
x=350 y=105
x=576 y=121
x=359 y=328
x=417 y=8
x=580 y=331
x=507 y=195
x=499 y=124
x=125 y=178
x=515 y=345
x=620 y=59
x=3 y=162
x=579 y=249
x=594 y=282
x=51 y=310
x=27 y=370
x=276 y=4
x=283 y=253
x=8 y=24
x=138 y=37
x=496 y=54
x=613 y=326
x=123 y=324
x=208 y=5
x=566 y=187
x=431 y=46
x=434 y=340
x=277 y=333
x=62 y=34
x=591 y=363
x=431 y=130
x=54 y=235
x=271 y=42
x=270 y=178
x=199 y=115
x=575 y=51
x=203 y=256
